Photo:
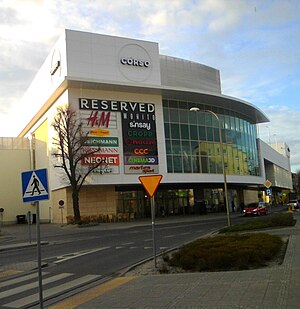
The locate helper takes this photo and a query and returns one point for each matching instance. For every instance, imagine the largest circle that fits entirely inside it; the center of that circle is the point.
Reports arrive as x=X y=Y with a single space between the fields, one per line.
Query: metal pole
x=153 y=229
x=1 y=220
x=269 y=134
x=223 y=165
x=38 y=234
x=29 y=225
x=61 y=216
x=39 y=255
x=275 y=135
x=224 y=171
x=196 y=109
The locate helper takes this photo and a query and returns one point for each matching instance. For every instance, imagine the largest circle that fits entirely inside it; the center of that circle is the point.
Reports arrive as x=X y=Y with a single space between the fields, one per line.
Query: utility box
x=21 y=219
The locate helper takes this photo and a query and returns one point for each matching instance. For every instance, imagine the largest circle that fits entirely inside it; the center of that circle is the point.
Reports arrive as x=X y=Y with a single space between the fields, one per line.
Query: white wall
x=44 y=84
x=278 y=167
x=105 y=58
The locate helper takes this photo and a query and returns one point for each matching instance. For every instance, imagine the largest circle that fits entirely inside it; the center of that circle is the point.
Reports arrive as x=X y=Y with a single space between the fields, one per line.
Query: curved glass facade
x=193 y=142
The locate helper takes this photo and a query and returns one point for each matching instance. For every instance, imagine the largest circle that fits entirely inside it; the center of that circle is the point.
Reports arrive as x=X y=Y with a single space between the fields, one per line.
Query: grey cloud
x=8 y=16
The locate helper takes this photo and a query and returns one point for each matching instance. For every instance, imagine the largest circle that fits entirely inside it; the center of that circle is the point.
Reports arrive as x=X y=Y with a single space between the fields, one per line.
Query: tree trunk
x=75 y=197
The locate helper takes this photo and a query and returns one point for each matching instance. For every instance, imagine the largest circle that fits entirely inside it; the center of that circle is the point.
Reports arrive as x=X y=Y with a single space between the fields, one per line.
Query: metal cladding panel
x=102 y=57
x=182 y=73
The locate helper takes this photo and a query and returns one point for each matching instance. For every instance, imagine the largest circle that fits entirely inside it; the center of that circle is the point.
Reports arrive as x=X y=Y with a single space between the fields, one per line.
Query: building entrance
x=172 y=202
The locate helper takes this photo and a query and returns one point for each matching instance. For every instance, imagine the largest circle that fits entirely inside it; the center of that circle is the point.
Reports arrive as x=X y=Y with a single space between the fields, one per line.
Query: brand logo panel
x=138 y=133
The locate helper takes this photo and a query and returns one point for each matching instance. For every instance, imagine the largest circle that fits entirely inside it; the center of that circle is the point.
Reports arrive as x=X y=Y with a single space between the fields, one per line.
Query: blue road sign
x=35 y=186
x=269 y=192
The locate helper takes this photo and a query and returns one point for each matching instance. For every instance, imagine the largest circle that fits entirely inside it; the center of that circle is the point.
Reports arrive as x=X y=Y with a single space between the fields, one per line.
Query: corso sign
x=135 y=62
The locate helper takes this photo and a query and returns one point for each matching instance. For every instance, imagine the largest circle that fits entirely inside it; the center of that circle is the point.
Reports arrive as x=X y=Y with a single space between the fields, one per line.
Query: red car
x=256 y=209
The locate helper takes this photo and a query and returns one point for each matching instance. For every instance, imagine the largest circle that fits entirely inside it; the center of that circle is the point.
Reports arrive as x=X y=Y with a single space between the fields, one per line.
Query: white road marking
x=20 y=279
x=75 y=255
x=25 y=301
x=32 y=285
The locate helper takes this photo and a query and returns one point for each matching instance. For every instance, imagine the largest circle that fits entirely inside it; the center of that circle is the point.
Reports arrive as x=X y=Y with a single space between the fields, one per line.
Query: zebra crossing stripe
x=25 y=301
x=33 y=285
x=20 y=279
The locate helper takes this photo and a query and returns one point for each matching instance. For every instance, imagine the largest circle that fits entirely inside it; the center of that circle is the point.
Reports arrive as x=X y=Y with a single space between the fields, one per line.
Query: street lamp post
x=269 y=134
x=196 y=109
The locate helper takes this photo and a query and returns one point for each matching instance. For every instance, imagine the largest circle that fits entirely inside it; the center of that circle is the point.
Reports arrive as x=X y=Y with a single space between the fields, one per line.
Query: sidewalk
x=274 y=287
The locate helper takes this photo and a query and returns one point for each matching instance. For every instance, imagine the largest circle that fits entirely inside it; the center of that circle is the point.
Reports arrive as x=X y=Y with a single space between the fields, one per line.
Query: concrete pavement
x=275 y=287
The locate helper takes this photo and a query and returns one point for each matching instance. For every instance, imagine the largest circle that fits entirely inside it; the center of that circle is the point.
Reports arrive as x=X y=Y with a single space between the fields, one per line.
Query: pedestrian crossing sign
x=35 y=185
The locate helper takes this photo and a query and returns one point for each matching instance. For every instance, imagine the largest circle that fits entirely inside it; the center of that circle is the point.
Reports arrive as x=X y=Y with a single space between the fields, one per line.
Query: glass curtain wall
x=193 y=142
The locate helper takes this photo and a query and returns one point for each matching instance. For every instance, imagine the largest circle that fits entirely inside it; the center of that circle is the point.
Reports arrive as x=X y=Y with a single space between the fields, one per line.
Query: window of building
x=193 y=141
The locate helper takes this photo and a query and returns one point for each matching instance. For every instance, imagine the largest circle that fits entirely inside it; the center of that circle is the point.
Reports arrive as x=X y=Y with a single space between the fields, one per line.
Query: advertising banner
x=139 y=143
x=140 y=153
x=102 y=140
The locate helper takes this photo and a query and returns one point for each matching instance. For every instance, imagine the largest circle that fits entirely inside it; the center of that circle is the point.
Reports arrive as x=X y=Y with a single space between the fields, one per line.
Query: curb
x=21 y=245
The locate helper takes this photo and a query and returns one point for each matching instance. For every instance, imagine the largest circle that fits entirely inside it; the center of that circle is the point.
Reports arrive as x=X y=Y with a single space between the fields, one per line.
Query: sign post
x=39 y=253
x=35 y=189
x=1 y=217
x=150 y=184
x=29 y=221
x=61 y=204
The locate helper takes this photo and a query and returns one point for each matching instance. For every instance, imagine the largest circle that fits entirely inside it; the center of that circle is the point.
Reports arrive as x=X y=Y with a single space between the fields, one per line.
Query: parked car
x=256 y=209
x=292 y=203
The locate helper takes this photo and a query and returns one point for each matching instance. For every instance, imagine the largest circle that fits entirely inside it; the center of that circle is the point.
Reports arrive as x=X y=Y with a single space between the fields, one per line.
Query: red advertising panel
x=102 y=159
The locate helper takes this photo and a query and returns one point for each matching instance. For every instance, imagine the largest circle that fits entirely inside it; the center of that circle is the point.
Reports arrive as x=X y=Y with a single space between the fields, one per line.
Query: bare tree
x=70 y=150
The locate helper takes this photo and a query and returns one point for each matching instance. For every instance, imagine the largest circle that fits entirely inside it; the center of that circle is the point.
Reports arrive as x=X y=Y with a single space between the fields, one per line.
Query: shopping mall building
x=135 y=105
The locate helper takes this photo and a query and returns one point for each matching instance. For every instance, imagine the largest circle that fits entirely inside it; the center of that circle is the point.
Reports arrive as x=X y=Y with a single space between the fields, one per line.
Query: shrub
x=94 y=218
x=70 y=219
x=165 y=257
x=285 y=219
x=276 y=220
x=84 y=220
x=230 y=252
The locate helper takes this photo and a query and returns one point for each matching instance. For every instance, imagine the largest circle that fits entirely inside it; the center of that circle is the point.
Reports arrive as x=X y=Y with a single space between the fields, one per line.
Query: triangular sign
x=34 y=187
x=150 y=183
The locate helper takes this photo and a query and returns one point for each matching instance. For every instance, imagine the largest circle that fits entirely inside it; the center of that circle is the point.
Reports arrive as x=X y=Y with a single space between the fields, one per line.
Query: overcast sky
x=254 y=43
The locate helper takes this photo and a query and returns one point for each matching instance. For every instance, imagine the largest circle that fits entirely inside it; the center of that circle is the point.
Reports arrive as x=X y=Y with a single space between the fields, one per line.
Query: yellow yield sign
x=150 y=183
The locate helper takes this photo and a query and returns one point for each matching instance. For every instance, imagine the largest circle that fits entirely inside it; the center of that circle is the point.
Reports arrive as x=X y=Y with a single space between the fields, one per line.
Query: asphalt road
x=107 y=251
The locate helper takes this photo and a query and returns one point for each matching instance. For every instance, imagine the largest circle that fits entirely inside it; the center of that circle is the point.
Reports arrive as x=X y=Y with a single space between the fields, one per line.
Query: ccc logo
x=141 y=151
